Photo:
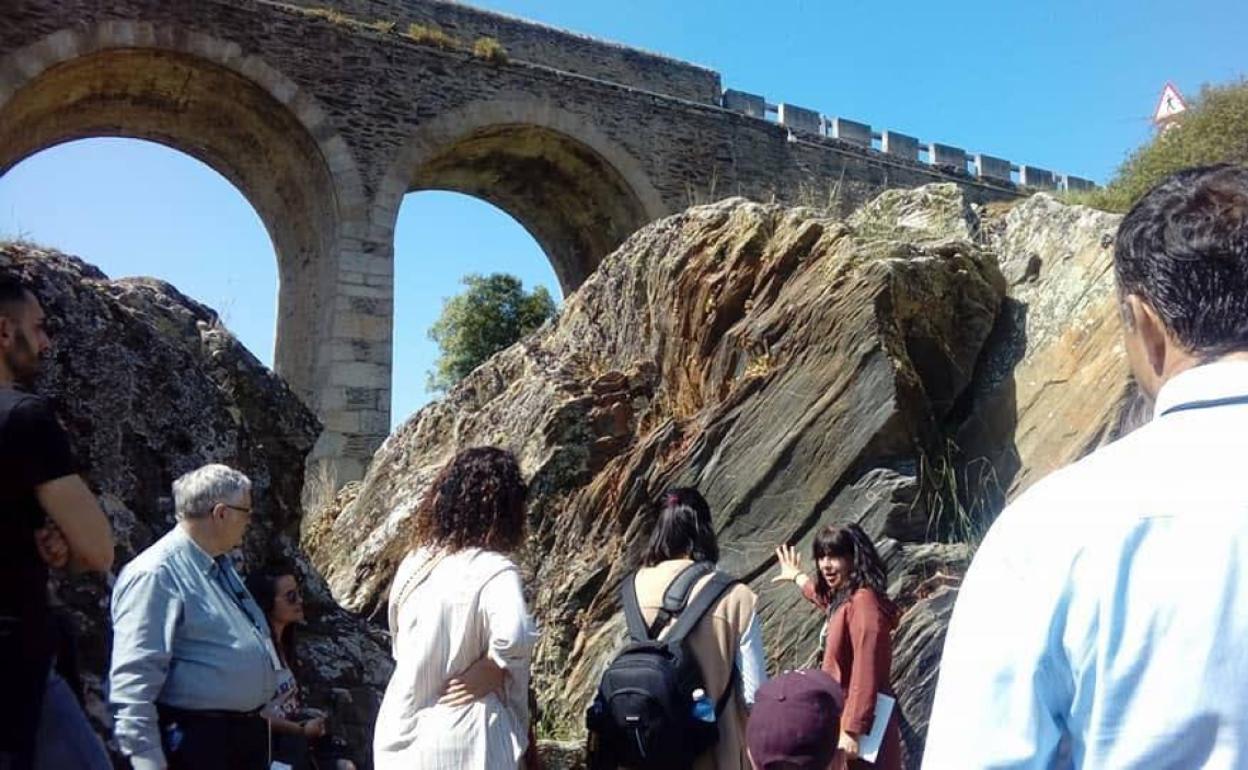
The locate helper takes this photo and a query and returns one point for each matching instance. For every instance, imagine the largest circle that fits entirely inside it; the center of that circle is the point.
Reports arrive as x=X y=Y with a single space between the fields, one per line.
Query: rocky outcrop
x=799 y=370
x=150 y=385
x=1053 y=382
x=910 y=368
x=795 y=368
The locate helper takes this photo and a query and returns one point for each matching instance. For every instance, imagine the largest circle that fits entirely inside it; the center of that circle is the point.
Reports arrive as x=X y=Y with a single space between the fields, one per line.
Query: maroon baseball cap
x=795 y=721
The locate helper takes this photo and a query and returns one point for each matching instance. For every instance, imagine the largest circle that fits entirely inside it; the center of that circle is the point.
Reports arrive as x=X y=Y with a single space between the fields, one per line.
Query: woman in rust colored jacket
x=849 y=587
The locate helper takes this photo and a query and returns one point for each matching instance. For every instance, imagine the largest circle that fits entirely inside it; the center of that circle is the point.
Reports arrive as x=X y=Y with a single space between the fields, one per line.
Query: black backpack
x=643 y=715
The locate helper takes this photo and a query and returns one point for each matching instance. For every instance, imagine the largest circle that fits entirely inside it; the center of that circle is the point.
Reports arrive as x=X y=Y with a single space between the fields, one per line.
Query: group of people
x=463 y=638
x=203 y=667
x=1102 y=623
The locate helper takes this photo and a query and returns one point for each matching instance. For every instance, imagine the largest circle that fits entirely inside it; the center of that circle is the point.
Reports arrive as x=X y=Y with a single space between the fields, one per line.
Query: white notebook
x=869 y=744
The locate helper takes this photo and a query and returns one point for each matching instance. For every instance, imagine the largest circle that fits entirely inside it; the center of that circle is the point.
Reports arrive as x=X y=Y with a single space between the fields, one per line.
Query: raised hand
x=790 y=564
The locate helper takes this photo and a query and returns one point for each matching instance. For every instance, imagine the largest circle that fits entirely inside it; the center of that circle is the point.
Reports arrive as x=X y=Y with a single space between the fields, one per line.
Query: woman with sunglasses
x=299 y=734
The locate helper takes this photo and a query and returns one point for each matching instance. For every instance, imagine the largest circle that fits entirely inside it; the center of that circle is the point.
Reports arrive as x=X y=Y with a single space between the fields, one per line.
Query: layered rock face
x=1053 y=383
x=150 y=386
x=798 y=370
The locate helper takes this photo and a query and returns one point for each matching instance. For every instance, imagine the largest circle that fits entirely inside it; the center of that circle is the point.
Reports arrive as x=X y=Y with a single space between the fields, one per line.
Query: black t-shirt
x=33 y=450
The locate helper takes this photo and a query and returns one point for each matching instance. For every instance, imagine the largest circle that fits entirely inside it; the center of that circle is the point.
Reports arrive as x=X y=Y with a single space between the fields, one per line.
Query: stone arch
x=578 y=193
x=203 y=96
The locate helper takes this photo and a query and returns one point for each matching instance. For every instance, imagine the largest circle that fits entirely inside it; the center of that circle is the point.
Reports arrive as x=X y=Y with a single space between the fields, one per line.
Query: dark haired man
x=1104 y=620
x=48 y=516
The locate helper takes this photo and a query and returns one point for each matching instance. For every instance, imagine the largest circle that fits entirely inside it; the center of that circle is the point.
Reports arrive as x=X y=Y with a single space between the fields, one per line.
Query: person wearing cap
x=795 y=724
x=849 y=587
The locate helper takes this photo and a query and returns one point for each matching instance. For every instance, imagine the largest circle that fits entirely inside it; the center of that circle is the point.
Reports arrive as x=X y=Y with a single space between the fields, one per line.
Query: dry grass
x=427 y=34
x=384 y=27
x=490 y=50
x=332 y=15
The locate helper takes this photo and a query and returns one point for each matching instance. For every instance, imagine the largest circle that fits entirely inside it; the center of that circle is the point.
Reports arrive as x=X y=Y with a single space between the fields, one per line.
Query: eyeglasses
x=239 y=508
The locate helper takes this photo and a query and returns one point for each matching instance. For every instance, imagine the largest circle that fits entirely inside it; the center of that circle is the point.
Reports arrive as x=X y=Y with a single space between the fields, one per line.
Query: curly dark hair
x=866 y=567
x=476 y=501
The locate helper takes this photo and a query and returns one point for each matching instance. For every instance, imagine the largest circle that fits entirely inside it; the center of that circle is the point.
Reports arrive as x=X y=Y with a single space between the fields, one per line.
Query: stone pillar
x=900 y=145
x=751 y=104
x=1030 y=176
x=800 y=119
x=354 y=364
x=851 y=131
x=988 y=167
x=945 y=155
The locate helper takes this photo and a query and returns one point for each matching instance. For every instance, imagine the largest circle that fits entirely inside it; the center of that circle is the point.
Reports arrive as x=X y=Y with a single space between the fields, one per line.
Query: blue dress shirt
x=186 y=634
x=1104 y=621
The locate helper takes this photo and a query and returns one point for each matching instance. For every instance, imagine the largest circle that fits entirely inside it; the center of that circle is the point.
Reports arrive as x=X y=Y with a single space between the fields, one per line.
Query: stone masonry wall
x=542 y=44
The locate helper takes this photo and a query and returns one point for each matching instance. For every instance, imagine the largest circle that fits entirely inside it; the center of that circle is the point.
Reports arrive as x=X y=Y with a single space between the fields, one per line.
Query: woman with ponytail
x=849 y=587
x=727 y=642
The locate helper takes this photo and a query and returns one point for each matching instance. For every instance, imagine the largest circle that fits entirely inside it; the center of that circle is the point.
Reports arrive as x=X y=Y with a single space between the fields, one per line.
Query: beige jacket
x=714 y=642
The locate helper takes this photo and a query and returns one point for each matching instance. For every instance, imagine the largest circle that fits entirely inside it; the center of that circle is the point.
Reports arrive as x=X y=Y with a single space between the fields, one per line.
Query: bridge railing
x=802 y=121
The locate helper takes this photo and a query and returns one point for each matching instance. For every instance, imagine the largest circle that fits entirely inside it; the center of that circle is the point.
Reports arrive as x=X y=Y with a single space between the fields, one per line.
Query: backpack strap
x=676 y=598
x=715 y=587
x=635 y=621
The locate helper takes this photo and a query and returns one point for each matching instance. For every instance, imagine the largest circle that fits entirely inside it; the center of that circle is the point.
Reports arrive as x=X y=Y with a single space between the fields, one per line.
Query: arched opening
x=573 y=202
x=228 y=122
x=136 y=208
x=439 y=238
x=541 y=180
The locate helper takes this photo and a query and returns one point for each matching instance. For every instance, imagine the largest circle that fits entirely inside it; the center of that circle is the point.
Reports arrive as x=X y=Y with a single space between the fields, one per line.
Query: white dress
x=467 y=605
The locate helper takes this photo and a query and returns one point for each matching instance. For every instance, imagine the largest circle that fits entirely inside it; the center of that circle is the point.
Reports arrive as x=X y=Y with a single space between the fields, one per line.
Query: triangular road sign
x=1170 y=105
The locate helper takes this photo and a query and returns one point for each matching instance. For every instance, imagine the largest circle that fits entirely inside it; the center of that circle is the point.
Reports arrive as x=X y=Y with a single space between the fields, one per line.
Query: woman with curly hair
x=849 y=587
x=461 y=635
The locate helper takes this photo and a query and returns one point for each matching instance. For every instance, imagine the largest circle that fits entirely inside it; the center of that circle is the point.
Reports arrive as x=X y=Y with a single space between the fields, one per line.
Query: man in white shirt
x=1104 y=620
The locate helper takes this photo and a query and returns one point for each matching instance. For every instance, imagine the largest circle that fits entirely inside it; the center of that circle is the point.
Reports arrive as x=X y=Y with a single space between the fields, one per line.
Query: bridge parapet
x=806 y=122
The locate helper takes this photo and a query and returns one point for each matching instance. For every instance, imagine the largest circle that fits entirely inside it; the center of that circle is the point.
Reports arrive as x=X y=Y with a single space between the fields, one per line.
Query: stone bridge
x=325 y=114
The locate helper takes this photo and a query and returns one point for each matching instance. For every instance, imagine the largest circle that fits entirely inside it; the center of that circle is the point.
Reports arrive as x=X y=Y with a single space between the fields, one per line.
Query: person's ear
x=1151 y=331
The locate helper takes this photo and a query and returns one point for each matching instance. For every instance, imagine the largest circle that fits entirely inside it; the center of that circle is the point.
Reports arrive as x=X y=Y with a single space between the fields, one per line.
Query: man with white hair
x=192 y=657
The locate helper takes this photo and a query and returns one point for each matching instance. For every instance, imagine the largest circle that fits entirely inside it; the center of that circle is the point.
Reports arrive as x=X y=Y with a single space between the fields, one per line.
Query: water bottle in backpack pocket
x=651 y=711
x=703 y=706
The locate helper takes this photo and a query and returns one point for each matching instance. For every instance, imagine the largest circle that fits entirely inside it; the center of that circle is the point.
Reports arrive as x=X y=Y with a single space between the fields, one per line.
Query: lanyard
x=1209 y=404
x=237 y=593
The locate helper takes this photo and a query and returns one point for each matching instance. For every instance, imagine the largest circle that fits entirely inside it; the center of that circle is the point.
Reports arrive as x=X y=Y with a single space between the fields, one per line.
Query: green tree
x=494 y=312
x=1213 y=130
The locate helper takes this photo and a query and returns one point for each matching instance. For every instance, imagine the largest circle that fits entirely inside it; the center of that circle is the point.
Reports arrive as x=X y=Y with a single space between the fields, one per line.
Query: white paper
x=869 y=744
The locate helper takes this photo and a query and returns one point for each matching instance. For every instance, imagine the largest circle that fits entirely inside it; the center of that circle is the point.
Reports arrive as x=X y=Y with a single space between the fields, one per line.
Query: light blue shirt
x=750 y=659
x=183 y=639
x=1104 y=621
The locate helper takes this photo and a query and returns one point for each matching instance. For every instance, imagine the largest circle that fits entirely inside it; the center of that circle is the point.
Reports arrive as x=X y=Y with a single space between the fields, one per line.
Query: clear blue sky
x=1059 y=84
